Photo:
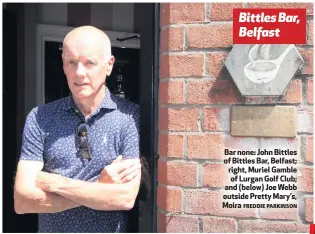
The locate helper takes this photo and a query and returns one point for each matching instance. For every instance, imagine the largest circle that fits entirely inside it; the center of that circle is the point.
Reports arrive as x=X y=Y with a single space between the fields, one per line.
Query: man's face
x=85 y=67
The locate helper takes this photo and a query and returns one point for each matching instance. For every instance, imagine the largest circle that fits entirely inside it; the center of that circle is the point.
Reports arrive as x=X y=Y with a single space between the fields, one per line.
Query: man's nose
x=80 y=70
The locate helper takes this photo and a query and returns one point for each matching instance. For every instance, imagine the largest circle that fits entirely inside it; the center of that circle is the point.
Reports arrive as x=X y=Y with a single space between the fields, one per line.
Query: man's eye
x=71 y=62
x=90 y=62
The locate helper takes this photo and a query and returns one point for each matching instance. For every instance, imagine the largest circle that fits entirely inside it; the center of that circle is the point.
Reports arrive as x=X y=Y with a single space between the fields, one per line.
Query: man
x=69 y=170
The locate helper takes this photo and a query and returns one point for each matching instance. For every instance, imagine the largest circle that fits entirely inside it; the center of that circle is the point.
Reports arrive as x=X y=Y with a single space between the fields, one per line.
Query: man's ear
x=110 y=65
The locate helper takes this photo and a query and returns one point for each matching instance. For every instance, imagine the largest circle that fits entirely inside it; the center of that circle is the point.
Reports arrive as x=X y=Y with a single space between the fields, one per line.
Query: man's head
x=87 y=60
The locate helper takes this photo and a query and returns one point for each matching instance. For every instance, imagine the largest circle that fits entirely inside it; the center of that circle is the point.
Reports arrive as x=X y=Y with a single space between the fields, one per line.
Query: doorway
x=143 y=89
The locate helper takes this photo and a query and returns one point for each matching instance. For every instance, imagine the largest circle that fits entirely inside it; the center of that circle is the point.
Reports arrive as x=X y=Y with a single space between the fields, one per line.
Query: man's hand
x=120 y=171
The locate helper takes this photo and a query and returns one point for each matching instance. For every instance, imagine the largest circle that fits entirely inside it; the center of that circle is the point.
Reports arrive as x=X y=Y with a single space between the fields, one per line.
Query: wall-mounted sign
x=263 y=70
x=264 y=121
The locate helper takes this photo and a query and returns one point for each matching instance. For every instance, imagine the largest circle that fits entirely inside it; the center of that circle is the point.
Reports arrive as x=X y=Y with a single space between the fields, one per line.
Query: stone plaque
x=263 y=70
x=264 y=121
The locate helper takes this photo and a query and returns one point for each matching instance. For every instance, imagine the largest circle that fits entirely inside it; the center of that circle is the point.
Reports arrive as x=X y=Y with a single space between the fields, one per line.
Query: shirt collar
x=107 y=103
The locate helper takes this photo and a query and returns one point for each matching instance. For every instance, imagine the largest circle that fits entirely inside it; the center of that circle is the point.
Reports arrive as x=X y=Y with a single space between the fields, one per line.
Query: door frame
x=149 y=89
x=57 y=33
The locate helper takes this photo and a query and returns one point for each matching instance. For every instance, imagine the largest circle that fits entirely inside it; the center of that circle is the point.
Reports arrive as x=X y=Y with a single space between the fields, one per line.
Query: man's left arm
x=97 y=196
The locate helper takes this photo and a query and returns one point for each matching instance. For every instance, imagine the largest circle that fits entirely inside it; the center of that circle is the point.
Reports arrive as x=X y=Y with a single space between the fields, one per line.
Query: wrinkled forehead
x=83 y=48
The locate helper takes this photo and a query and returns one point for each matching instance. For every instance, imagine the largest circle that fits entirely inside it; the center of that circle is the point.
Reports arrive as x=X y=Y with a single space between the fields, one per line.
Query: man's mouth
x=80 y=84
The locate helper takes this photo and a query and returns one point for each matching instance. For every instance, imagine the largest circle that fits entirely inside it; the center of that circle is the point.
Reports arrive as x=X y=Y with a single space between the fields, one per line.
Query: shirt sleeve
x=130 y=145
x=32 y=142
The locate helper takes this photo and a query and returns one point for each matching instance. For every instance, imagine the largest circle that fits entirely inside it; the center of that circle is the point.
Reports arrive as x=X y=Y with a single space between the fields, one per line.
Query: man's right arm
x=30 y=199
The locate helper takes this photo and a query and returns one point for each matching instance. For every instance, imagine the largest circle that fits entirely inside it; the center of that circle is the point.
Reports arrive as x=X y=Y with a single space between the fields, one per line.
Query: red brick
x=164 y=14
x=254 y=226
x=308 y=6
x=307 y=55
x=310 y=32
x=216 y=63
x=210 y=202
x=270 y=143
x=171 y=92
x=210 y=36
x=177 y=173
x=305 y=181
x=241 y=143
x=309 y=209
x=309 y=148
x=210 y=146
x=223 y=11
x=293 y=94
x=181 y=65
x=219 y=225
x=169 y=199
x=178 y=119
x=310 y=92
x=212 y=92
x=172 y=13
x=215 y=175
x=302 y=228
x=216 y=119
x=288 y=214
x=201 y=202
x=171 y=145
x=177 y=223
x=172 y=39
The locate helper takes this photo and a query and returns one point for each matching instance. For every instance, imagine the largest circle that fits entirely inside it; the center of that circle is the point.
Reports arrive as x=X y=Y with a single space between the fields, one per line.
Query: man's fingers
x=129 y=171
x=125 y=164
x=117 y=171
x=131 y=176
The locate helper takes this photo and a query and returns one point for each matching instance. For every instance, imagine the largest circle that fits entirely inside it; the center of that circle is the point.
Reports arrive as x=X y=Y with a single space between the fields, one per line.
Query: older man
x=69 y=170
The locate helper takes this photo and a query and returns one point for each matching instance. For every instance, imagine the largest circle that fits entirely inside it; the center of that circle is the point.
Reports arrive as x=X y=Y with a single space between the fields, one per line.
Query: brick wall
x=196 y=94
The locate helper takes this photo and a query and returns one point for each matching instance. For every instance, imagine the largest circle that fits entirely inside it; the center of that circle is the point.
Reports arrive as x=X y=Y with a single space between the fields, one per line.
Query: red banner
x=269 y=26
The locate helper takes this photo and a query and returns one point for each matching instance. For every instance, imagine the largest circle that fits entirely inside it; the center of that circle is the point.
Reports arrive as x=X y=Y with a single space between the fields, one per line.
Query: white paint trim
x=57 y=34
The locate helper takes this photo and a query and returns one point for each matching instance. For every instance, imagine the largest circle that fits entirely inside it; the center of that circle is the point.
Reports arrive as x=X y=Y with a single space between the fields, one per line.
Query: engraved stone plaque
x=263 y=70
x=264 y=121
